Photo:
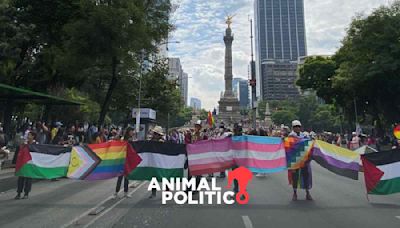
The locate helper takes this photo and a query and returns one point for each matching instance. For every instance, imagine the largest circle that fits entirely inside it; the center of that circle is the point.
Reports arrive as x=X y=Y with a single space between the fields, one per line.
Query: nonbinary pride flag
x=160 y=160
x=338 y=160
x=42 y=161
x=382 y=172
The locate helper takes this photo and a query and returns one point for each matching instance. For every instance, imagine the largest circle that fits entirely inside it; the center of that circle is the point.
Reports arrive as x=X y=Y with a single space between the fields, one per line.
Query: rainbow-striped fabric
x=298 y=152
x=98 y=161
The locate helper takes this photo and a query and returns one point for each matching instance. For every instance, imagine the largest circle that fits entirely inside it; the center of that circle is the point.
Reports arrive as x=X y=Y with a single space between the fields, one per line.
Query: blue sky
x=200 y=25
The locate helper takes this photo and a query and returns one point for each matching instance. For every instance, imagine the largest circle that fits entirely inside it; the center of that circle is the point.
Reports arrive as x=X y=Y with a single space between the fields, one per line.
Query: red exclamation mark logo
x=243 y=177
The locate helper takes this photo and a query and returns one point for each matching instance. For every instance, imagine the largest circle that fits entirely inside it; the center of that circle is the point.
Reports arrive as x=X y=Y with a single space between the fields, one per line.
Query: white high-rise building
x=195 y=103
x=177 y=74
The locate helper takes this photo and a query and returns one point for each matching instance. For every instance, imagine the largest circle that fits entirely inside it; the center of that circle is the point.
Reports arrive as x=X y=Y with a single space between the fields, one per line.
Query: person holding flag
x=25 y=183
x=210 y=119
x=300 y=177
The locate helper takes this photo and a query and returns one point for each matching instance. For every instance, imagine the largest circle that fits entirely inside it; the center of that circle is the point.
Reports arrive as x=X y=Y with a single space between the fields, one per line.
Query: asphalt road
x=338 y=202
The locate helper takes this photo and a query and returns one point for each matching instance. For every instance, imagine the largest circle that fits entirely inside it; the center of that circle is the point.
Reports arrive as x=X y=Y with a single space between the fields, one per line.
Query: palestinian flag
x=382 y=172
x=160 y=160
x=43 y=161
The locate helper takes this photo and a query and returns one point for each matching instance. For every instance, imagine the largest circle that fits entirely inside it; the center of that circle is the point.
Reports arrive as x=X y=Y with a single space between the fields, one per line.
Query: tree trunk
x=8 y=110
x=113 y=84
x=46 y=114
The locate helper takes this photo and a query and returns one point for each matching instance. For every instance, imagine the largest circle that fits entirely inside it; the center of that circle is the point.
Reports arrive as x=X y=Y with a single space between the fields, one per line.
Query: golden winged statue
x=229 y=20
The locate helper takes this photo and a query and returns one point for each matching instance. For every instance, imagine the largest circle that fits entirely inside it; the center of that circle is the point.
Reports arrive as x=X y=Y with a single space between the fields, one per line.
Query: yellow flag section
x=338 y=160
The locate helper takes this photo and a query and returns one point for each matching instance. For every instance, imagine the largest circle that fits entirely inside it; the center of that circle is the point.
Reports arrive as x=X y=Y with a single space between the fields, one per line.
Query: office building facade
x=240 y=89
x=195 y=103
x=177 y=74
x=280 y=41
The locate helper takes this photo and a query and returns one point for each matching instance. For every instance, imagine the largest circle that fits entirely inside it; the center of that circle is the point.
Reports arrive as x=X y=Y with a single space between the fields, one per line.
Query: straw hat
x=158 y=130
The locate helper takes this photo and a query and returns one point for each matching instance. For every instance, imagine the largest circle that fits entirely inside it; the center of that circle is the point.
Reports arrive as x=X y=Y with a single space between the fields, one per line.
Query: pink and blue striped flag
x=259 y=154
x=211 y=156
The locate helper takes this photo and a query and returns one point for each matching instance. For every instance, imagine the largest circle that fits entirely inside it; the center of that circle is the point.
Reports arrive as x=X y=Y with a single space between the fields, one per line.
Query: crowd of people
x=79 y=133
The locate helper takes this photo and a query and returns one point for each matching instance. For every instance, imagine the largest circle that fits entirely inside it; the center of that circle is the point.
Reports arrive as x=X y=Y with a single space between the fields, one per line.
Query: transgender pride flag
x=259 y=154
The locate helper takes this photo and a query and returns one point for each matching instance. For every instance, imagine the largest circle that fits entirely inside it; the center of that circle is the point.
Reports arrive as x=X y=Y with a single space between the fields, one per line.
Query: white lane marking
x=90 y=210
x=247 y=221
x=112 y=207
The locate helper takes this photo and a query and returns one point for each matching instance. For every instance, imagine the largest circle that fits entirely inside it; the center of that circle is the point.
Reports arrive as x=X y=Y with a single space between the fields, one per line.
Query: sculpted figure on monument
x=229 y=20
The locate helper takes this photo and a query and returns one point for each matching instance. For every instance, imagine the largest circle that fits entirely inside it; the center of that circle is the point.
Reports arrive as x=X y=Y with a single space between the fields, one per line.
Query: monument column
x=228 y=39
x=229 y=108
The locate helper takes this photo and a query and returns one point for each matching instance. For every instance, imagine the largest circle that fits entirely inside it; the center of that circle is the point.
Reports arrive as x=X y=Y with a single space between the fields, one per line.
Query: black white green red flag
x=382 y=172
x=43 y=161
x=160 y=160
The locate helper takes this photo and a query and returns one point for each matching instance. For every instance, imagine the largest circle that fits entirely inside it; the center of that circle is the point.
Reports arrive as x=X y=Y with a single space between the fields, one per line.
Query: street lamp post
x=140 y=84
x=253 y=81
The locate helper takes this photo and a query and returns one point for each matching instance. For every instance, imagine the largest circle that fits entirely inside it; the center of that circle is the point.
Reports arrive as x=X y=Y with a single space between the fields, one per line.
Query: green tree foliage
x=203 y=114
x=313 y=115
x=160 y=94
x=94 y=48
x=261 y=109
x=317 y=73
x=16 y=46
x=116 y=35
x=369 y=63
x=180 y=119
x=364 y=72
x=283 y=117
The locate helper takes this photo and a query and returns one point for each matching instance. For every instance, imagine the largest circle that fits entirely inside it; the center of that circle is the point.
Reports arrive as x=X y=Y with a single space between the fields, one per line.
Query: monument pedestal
x=229 y=110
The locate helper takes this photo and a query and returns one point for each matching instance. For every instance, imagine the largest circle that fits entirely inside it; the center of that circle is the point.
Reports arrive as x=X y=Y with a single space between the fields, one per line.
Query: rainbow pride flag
x=112 y=155
x=259 y=154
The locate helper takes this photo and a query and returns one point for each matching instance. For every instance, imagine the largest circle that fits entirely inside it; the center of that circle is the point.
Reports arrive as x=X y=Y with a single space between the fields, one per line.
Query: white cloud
x=200 y=27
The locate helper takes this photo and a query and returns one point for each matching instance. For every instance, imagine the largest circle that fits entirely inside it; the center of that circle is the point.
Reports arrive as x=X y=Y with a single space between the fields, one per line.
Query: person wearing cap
x=157 y=135
x=197 y=135
x=300 y=177
x=355 y=141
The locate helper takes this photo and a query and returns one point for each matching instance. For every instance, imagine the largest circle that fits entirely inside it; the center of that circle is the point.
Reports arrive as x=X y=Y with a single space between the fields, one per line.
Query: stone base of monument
x=229 y=110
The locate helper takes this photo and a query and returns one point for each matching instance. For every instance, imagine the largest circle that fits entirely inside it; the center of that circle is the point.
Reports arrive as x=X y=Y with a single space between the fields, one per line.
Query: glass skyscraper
x=280 y=41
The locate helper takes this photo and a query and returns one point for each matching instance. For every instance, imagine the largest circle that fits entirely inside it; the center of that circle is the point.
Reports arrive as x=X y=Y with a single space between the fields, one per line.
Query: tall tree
x=113 y=35
x=369 y=64
x=317 y=74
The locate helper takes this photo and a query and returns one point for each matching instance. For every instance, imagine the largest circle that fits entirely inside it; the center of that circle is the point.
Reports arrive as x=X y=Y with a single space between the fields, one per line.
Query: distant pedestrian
x=25 y=183
x=355 y=141
x=128 y=137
